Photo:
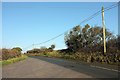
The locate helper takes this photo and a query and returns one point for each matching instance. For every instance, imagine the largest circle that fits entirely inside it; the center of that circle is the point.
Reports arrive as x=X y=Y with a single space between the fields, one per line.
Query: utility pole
x=33 y=46
x=104 y=37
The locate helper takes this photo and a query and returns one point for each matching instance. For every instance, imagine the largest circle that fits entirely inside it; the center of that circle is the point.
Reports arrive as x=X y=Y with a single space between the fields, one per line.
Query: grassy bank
x=13 y=60
x=89 y=58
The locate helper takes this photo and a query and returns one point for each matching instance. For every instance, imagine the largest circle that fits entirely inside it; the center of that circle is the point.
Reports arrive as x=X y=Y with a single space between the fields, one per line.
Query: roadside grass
x=13 y=60
x=88 y=58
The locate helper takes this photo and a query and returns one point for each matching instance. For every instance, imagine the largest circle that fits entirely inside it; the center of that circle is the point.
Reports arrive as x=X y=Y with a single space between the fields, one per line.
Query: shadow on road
x=82 y=68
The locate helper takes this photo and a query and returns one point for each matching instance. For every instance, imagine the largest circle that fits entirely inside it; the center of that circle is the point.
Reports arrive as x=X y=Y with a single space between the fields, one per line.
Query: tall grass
x=89 y=58
x=13 y=60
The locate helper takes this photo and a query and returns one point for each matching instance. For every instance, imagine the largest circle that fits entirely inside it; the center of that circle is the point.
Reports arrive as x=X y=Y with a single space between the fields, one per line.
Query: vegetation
x=8 y=56
x=42 y=50
x=13 y=60
x=89 y=39
x=11 y=53
x=85 y=44
x=90 y=58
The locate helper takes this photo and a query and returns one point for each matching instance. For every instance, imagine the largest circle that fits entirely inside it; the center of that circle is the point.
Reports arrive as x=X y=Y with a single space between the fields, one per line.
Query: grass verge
x=13 y=60
x=89 y=58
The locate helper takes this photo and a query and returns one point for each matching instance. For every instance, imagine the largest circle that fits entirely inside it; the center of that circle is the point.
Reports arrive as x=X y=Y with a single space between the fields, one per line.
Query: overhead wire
x=87 y=19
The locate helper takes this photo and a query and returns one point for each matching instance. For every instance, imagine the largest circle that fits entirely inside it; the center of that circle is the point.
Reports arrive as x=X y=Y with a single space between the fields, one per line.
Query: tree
x=17 y=48
x=71 y=38
x=86 y=39
x=52 y=46
x=5 y=54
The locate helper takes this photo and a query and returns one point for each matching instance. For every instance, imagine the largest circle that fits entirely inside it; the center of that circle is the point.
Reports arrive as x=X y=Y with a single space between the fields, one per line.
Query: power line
x=98 y=12
x=89 y=18
x=50 y=39
x=111 y=7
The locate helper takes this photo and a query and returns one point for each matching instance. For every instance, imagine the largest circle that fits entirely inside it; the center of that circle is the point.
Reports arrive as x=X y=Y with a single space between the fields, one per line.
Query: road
x=44 y=67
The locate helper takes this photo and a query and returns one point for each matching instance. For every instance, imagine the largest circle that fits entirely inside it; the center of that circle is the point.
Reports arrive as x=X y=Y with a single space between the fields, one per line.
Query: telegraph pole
x=33 y=46
x=104 y=37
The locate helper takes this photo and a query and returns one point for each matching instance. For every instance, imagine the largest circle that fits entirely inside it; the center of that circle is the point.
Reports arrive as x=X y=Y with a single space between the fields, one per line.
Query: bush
x=82 y=56
x=10 y=53
x=13 y=60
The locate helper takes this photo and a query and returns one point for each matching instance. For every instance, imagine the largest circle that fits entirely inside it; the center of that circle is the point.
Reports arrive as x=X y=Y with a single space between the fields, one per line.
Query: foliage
x=89 y=58
x=10 y=53
x=17 y=48
x=52 y=46
x=42 y=50
x=13 y=60
x=89 y=39
x=86 y=44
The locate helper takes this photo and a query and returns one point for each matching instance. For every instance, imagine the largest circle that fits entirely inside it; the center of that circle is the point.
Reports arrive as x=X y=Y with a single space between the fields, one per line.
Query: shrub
x=10 y=53
x=13 y=60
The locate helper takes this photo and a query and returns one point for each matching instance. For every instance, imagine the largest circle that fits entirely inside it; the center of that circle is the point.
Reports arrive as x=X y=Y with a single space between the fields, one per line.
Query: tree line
x=41 y=50
x=90 y=39
x=85 y=44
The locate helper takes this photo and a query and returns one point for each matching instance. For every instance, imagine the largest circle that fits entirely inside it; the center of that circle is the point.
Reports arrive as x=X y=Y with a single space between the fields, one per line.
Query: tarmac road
x=44 y=67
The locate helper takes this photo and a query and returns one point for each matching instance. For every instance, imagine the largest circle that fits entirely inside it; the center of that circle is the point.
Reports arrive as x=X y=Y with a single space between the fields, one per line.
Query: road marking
x=104 y=68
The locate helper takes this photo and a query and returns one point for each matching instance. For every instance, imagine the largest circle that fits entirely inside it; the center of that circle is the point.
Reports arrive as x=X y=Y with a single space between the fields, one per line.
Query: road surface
x=44 y=67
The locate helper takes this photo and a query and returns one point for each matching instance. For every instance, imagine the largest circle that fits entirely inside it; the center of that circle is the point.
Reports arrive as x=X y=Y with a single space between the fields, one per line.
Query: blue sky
x=24 y=24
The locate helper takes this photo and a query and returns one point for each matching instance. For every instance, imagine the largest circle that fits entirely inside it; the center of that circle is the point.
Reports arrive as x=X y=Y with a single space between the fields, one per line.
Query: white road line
x=104 y=68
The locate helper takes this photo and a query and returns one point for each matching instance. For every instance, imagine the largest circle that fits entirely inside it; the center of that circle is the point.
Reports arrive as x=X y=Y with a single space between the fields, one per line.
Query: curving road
x=44 y=67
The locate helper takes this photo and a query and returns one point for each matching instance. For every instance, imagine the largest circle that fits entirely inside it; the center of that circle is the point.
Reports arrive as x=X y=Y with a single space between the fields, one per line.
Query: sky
x=27 y=23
